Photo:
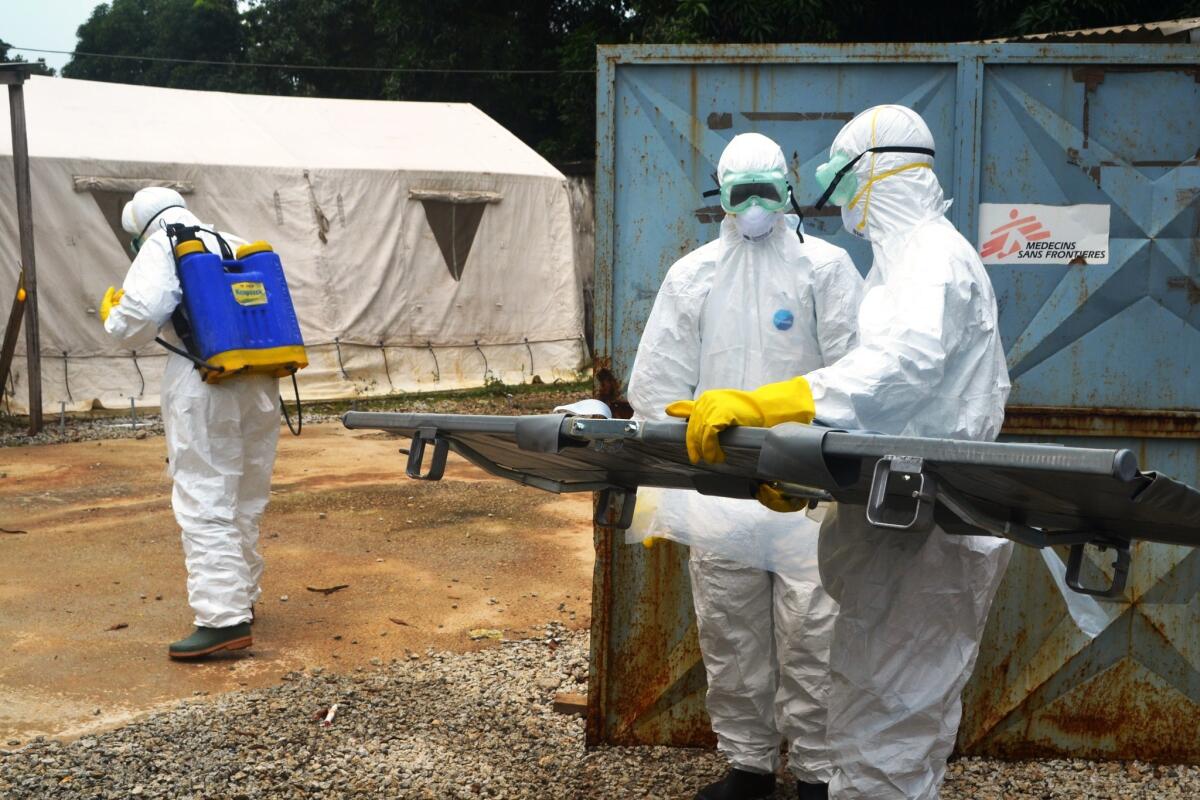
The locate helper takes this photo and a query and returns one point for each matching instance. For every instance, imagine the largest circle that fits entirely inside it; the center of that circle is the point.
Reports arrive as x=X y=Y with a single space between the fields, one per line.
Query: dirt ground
x=93 y=589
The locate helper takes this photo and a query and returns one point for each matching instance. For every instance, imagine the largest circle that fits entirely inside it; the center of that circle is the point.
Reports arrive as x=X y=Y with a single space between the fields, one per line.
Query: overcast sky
x=48 y=24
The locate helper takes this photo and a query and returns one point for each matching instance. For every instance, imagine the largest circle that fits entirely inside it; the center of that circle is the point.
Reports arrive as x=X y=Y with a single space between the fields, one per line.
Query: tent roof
x=122 y=122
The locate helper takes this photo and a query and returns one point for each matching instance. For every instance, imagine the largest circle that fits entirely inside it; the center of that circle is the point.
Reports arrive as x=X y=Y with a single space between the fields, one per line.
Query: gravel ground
x=526 y=399
x=449 y=726
x=78 y=429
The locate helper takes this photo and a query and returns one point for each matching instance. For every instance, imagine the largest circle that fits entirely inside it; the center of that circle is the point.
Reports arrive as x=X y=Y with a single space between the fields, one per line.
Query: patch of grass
x=490 y=391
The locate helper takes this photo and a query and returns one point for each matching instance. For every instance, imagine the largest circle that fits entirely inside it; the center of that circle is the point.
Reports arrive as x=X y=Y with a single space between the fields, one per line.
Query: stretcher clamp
x=603 y=435
x=903 y=495
x=604 y=430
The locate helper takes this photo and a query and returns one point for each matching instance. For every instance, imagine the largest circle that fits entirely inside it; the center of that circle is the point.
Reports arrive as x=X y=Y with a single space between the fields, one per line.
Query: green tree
x=188 y=30
x=36 y=67
x=395 y=48
x=552 y=110
x=315 y=33
x=1019 y=17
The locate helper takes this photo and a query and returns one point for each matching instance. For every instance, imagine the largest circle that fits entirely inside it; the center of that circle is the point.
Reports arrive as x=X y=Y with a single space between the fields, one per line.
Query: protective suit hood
x=154 y=208
x=751 y=153
x=887 y=205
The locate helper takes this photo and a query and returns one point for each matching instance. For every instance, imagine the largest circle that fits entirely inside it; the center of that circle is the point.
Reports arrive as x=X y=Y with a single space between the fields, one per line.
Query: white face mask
x=755 y=222
x=851 y=217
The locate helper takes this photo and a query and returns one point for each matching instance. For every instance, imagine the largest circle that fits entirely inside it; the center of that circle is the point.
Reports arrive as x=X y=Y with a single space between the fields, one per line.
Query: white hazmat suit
x=220 y=438
x=737 y=312
x=928 y=363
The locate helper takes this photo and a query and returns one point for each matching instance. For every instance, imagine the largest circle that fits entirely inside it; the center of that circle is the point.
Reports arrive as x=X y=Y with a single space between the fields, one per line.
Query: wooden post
x=20 y=155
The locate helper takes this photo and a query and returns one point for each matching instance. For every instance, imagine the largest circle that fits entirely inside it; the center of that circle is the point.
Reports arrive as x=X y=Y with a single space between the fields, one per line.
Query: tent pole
x=20 y=152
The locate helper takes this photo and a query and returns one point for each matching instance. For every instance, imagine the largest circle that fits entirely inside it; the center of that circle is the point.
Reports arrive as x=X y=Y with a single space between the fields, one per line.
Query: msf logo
x=1011 y=237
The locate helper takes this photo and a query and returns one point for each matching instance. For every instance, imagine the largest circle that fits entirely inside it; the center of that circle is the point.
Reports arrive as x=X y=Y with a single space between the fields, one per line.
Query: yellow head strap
x=875 y=178
x=865 y=191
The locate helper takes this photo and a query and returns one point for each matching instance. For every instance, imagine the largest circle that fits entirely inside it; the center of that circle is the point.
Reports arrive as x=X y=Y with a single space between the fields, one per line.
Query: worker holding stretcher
x=928 y=362
x=760 y=303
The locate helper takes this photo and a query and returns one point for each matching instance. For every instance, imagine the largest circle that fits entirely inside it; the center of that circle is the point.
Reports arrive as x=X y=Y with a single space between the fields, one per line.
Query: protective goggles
x=839 y=183
x=768 y=190
x=135 y=244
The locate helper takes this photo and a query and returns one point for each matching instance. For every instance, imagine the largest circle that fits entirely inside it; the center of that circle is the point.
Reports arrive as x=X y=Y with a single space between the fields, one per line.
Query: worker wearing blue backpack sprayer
x=233 y=332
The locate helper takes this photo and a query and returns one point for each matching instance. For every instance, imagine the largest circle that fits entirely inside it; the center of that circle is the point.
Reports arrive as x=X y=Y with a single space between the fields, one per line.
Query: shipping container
x=1094 y=145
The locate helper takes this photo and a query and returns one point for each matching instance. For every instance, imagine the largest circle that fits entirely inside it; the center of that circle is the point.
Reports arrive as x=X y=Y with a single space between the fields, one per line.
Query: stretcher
x=1040 y=495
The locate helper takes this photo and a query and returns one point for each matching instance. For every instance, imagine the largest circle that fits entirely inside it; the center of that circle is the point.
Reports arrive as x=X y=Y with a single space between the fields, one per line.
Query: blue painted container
x=1106 y=355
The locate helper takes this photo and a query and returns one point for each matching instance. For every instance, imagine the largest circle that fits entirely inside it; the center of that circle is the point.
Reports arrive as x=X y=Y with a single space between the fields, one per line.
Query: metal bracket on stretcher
x=614 y=507
x=904 y=496
x=1039 y=495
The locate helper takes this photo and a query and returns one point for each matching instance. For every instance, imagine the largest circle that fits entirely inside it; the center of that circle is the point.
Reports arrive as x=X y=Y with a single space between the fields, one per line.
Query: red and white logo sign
x=1039 y=234
x=1011 y=238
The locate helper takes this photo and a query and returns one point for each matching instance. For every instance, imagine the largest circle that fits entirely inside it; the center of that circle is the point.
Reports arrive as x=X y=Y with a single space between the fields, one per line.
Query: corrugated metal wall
x=1106 y=353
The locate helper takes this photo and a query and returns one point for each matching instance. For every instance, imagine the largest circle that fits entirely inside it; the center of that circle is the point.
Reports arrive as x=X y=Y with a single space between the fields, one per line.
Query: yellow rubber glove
x=775 y=500
x=112 y=298
x=718 y=409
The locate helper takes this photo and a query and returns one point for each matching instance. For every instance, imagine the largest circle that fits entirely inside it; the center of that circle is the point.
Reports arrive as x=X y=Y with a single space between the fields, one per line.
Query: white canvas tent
x=425 y=246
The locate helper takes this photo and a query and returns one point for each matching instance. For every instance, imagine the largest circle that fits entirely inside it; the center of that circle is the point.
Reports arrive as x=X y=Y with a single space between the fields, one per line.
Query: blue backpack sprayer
x=237 y=316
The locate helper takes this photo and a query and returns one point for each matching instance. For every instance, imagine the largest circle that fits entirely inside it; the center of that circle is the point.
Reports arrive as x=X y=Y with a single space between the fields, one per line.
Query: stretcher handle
x=1120 y=570
x=416 y=455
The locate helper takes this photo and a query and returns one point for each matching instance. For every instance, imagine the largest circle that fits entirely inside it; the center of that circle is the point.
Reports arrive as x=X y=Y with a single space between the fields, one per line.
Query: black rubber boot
x=740 y=785
x=206 y=641
x=812 y=791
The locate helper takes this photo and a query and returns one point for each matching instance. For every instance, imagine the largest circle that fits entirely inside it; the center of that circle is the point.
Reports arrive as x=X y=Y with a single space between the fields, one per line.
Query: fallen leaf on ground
x=485 y=633
x=328 y=589
x=118 y=626
x=399 y=622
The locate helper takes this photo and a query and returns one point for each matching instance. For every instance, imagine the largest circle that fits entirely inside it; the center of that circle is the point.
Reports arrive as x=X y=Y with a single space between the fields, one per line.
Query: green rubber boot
x=206 y=641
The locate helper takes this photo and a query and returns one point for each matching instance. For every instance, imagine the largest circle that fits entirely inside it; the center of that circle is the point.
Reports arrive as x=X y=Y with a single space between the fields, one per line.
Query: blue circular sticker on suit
x=784 y=319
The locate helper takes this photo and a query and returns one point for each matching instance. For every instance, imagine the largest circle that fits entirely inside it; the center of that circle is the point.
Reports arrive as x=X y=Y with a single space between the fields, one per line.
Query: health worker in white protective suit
x=928 y=363
x=758 y=304
x=220 y=437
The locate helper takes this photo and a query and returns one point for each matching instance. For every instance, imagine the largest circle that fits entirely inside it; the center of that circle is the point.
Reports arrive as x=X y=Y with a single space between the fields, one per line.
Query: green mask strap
x=841 y=173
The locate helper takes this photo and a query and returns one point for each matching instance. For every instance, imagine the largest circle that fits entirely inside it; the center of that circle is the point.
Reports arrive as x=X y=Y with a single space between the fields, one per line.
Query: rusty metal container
x=1100 y=354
